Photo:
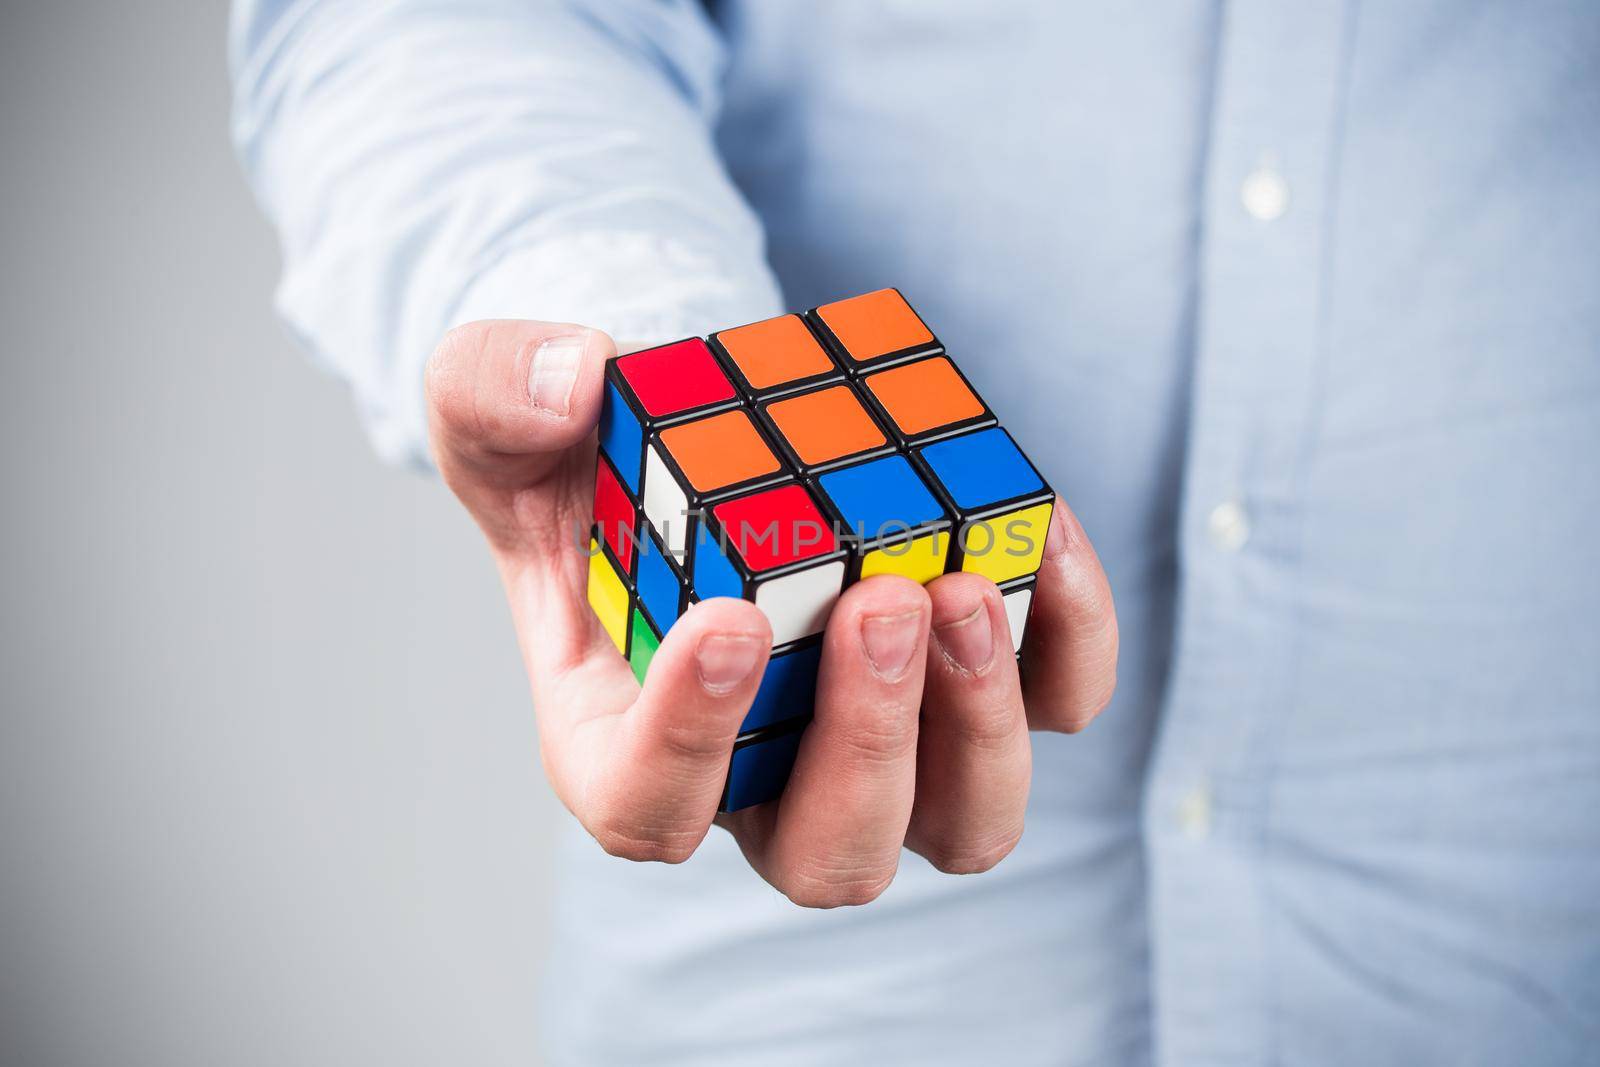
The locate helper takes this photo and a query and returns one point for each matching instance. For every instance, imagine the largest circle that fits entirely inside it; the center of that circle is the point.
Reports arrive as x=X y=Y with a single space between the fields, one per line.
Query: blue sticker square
x=713 y=573
x=982 y=468
x=881 y=496
x=759 y=772
x=788 y=688
x=621 y=437
x=659 y=588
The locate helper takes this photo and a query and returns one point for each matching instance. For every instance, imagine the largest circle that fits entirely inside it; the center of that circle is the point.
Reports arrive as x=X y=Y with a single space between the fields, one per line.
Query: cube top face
x=774 y=355
x=775 y=528
x=982 y=469
x=882 y=497
x=720 y=451
x=926 y=398
x=675 y=378
x=874 y=329
x=825 y=426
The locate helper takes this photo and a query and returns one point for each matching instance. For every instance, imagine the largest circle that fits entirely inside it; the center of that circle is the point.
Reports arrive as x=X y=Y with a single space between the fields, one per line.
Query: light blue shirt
x=1298 y=304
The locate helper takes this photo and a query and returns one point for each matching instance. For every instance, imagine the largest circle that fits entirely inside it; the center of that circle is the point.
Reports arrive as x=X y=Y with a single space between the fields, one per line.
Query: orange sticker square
x=775 y=352
x=875 y=325
x=924 y=395
x=719 y=451
x=826 y=424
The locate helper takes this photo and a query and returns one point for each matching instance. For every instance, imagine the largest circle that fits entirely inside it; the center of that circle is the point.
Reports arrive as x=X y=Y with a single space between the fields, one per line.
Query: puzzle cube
x=783 y=460
x=1001 y=504
x=890 y=519
x=873 y=330
x=649 y=390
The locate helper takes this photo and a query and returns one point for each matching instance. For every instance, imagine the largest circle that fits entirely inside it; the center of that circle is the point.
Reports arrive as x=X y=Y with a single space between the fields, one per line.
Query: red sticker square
x=775 y=527
x=675 y=377
x=614 y=513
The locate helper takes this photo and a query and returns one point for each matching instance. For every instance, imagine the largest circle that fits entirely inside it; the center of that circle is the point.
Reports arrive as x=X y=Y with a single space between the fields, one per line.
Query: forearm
x=431 y=164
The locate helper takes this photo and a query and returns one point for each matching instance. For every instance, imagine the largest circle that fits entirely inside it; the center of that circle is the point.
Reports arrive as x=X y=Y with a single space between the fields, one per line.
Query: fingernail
x=890 y=641
x=969 y=642
x=725 y=660
x=554 y=372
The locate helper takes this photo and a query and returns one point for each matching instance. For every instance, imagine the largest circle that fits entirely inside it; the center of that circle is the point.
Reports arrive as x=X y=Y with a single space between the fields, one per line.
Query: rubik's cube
x=780 y=462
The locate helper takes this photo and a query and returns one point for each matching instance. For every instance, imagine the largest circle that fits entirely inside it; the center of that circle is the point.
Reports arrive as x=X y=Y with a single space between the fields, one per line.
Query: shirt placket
x=1264 y=244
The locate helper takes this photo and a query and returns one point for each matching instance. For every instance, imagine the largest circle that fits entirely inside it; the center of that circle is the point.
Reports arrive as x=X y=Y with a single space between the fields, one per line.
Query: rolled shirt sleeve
x=431 y=163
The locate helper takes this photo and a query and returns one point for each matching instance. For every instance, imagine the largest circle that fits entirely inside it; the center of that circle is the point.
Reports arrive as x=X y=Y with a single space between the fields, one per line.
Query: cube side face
x=760 y=766
x=926 y=399
x=608 y=595
x=773 y=357
x=873 y=330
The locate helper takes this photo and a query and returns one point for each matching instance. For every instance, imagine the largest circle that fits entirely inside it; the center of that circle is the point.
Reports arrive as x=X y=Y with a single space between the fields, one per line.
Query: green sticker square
x=644 y=645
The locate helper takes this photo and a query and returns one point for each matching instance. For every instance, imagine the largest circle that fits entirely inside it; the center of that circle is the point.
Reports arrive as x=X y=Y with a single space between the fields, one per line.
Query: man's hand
x=921 y=730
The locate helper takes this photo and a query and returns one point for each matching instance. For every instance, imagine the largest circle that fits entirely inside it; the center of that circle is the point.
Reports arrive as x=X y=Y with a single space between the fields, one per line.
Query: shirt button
x=1194 y=813
x=1229 y=526
x=1265 y=194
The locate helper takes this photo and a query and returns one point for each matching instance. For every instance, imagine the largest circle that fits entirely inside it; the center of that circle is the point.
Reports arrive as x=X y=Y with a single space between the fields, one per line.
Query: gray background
x=269 y=791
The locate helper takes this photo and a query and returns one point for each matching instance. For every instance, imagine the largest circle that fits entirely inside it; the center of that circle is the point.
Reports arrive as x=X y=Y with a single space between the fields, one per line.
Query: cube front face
x=780 y=462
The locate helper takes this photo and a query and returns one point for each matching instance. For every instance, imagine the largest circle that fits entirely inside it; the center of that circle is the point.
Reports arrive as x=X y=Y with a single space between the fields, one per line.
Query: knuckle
x=645 y=844
x=973 y=856
x=823 y=890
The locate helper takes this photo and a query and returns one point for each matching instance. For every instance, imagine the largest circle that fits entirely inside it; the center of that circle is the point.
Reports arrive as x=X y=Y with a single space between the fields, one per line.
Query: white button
x=1194 y=813
x=1265 y=194
x=1229 y=526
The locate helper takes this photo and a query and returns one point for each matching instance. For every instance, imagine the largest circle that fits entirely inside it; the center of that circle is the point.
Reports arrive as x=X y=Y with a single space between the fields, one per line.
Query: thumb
x=508 y=398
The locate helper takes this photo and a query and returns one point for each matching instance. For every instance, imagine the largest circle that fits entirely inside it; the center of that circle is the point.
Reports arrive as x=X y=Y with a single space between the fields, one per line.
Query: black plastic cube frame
x=842 y=356
x=730 y=367
x=938 y=433
x=776 y=434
